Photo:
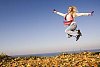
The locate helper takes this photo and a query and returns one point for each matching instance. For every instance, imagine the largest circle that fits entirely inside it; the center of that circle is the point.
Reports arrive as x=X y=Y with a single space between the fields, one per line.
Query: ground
x=82 y=59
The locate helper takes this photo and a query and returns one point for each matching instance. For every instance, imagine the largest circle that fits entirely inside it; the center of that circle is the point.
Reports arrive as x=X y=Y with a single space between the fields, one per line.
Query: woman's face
x=70 y=9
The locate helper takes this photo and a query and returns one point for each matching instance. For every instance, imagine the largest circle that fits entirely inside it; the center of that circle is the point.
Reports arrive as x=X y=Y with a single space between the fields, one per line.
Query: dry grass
x=83 y=59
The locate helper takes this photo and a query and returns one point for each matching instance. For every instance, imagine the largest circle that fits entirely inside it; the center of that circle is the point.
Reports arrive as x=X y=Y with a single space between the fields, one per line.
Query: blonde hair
x=72 y=10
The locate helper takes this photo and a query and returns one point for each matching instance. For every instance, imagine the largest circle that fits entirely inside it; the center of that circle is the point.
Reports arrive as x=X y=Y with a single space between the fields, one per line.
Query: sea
x=39 y=55
x=55 y=54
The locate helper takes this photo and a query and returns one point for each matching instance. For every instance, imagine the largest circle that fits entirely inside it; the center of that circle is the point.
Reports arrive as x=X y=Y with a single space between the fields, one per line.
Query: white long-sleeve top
x=68 y=17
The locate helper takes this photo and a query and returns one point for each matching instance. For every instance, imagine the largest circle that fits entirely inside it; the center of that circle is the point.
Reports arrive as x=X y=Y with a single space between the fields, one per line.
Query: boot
x=77 y=37
x=79 y=34
x=69 y=35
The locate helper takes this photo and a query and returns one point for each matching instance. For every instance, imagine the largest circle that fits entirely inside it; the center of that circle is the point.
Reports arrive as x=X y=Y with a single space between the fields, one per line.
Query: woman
x=69 y=19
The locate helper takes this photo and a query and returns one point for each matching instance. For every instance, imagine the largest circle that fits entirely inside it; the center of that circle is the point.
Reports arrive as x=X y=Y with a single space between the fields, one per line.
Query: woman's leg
x=71 y=30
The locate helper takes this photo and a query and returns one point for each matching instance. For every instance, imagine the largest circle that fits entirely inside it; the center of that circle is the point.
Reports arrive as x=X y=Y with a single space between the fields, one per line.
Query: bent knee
x=67 y=31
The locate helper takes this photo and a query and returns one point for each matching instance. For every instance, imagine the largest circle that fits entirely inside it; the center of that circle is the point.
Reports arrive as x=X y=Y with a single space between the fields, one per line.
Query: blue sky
x=30 y=27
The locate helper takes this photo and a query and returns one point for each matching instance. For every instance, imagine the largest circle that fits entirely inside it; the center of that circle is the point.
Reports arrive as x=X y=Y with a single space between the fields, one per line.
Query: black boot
x=77 y=37
x=69 y=35
x=79 y=34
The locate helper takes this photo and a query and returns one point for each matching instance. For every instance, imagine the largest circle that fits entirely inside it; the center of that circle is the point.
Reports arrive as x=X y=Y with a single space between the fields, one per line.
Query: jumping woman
x=69 y=21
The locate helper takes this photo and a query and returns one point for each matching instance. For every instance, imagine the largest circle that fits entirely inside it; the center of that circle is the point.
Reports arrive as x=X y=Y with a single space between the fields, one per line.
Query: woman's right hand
x=92 y=13
x=54 y=11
